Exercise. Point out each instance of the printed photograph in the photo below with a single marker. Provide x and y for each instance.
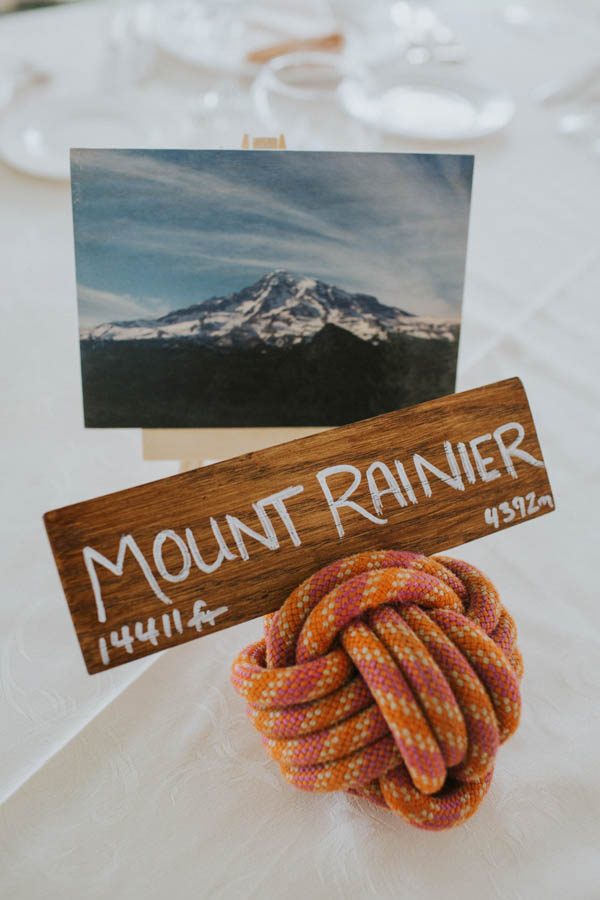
(222, 288)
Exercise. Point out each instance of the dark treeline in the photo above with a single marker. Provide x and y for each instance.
(333, 379)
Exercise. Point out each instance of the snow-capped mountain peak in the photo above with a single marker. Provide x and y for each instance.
(279, 309)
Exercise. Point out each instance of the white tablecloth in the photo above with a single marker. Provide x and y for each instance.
(148, 781)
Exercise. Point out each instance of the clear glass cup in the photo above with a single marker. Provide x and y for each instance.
(299, 94)
(380, 30)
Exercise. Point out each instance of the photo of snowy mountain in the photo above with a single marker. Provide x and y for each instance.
(279, 310)
(341, 281)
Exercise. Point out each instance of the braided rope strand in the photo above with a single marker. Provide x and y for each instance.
(391, 675)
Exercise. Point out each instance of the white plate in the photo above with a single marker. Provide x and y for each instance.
(425, 105)
(218, 35)
(36, 135)
(201, 34)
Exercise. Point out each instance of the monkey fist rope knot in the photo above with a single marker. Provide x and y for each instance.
(391, 675)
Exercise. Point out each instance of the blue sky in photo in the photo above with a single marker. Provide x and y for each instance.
(157, 230)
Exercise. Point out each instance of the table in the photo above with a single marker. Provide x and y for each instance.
(148, 781)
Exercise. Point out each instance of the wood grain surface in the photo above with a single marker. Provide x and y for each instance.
(185, 556)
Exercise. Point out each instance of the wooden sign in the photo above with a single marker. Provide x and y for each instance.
(157, 565)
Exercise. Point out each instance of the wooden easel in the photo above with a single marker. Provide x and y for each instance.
(195, 447)
(264, 143)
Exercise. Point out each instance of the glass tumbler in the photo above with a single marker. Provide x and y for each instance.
(299, 94)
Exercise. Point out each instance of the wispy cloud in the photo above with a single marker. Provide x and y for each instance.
(185, 225)
(107, 306)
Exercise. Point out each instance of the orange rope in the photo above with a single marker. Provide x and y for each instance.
(391, 675)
